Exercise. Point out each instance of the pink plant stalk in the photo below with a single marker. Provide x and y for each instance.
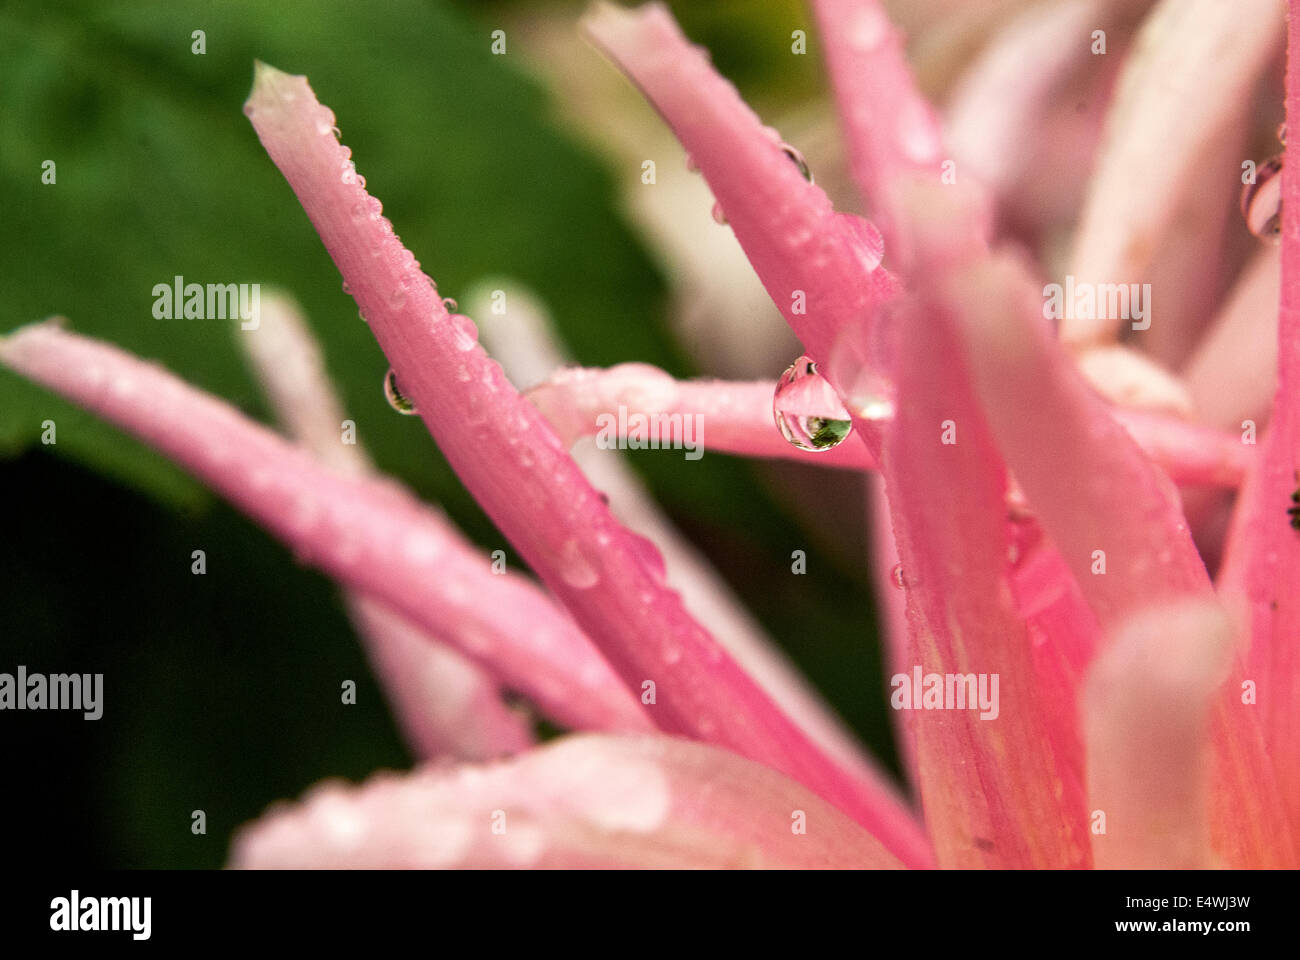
(1038, 529)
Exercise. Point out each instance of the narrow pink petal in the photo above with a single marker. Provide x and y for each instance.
(526, 343)
(993, 785)
(367, 534)
(890, 129)
(726, 416)
(519, 471)
(1163, 117)
(1147, 719)
(1262, 567)
(1115, 520)
(582, 802)
(444, 703)
(1189, 453)
(996, 111)
(1097, 496)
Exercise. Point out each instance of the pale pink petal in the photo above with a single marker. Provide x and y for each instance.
(582, 802)
(444, 704)
(1164, 116)
(1233, 373)
(1147, 718)
(368, 534)
(995, 789)
(512, 462)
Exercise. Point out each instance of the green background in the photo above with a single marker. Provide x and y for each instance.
(222, 691)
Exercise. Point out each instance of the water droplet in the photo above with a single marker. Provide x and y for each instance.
(338, 134)
(863, 238)
(1261, 201)
(807, 411)
(718, 215)
(362, 315)
(650, 556)
(691, 165)
(465, 332)
(450, 305)
(896, 576)
(859, 362)
(797, 159)
(397, 299)
(1281, 133)
(361, 181)
(575, 568)
(349, 174)
(346, 287)
(402, 404)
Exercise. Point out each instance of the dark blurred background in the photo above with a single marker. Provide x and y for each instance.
(222, 691)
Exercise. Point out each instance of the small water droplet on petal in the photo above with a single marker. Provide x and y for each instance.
(798, 160)
(450, 305)
(396, 399)
(575, 568)
(896, 576)
(718, 216)
(807, 410)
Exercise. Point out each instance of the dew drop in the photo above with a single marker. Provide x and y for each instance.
(466, 334)
(450, 305)
(349, 174)
(691, 165)
(576, 569)
(397, 299)
(346, 287)
(807, 411)
(399, 402)
(1261, 201)
(718, 215)
(896, 576)
(798, 160)
(1281, 133)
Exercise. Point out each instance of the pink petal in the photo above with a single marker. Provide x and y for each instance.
(995, 789)
(581, 802)
(367, 534)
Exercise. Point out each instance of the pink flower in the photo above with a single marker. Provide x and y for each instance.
(1073, 688)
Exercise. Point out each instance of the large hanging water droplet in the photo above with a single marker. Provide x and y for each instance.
(797, 159)
(807, 411)
(718, 216)
(1261, 201)
(396, 399)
